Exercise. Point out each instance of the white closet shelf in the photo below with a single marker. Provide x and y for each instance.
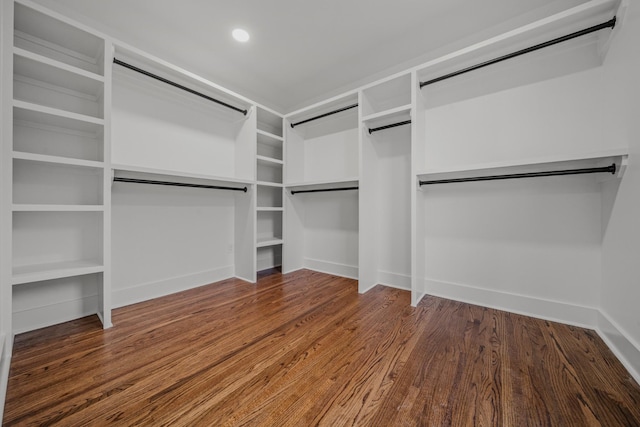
(44, 69)
(58, 270)
(401, 112)
(560, 162)
(323, 184)
(269, 160)
(172, 174)
(569, 56)
(68, 161)
(573, 19)
(388, 117)
(270, 209)
(56, 33)
(55, 116)
(56, 208)
(268, 135)
(269, 184)
(175, 74)
(323, 107)
(268, 241)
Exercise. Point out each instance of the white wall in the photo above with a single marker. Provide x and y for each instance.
(393, 148)
(157, 126)
(554, 117)
(332, 156)
(331, 232)
(620, 292)
(167, 239)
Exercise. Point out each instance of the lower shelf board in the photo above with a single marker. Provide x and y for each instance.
(39, 272)
(263, 243)
(56, 208)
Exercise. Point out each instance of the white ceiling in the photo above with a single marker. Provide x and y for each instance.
(302, 51)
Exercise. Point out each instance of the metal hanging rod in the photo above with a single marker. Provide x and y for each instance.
(321, 190)
(609, 24)
(406, 122)
(177, 184)
(179, 86)
(610, 169)
(340, 110)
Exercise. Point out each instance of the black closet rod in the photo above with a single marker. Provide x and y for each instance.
(610, 169)
(179, 86)
(321, 190)
(340, 110)
(177, 184)
(609, 24)
(406, 122)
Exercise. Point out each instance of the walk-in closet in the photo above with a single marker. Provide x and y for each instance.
(320, 174)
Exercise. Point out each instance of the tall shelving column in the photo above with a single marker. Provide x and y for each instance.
(59, 200)
(418, 213)
(269, 197)
(322, 158)
(385, 217)
(6, 138)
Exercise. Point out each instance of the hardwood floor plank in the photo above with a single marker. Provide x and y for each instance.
(306, 349)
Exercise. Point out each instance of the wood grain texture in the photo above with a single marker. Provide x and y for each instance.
(306, 349)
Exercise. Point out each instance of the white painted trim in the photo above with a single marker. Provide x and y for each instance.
(342, 270)
(394, 280)
(364, 291)
(264, 264)
(625, 348)
(151, 290)
(416, 297)
(555, 311)
(620, 343)
(53, 314)
(5, 364)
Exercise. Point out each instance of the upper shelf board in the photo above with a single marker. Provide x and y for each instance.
(178, 76)
(589, 160)
(169, 175)
(567, 57)
(43, 69)
(322, 185)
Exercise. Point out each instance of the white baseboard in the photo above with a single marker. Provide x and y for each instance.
(265, 264)
(585, 317)
(394, 280)
(147, 291)
(52, 314)
(342, 270)
(620, 343)
(5, 364)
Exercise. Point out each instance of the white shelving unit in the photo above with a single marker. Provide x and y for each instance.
(385, 232)
(60, 214)
(216, 147)
(321, 227)
(270, 170)
(446, 99)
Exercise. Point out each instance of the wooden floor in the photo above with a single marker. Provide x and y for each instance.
(305, 349)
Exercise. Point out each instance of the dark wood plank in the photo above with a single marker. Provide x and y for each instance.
(306, 349)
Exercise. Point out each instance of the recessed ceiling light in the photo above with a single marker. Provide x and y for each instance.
(240, 35)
